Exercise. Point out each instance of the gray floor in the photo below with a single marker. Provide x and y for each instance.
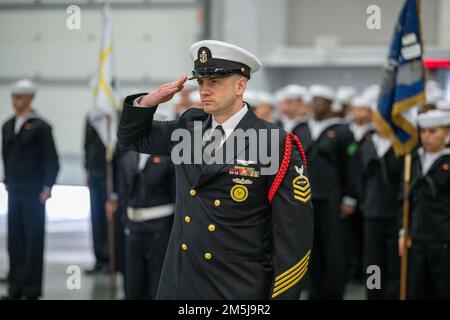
(68, 244)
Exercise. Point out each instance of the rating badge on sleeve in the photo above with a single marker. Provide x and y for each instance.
(302, 189)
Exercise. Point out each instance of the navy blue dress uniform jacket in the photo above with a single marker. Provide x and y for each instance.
(334, 164)
(221, 248)
(430, 200)
(380, 180)
(30, 157)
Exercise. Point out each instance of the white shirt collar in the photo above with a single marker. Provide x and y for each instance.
(290, 124)
(428, 159)
(20, 120)
(359, 130)
(382, 145)
(317, 127)
(230, 124)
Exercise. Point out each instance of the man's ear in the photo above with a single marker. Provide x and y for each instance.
(241, 85)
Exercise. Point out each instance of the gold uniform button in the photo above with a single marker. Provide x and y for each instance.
(217, 202)
(192, 192)
(187, 219)
(208, 256)
(184, 246)
(211, 227)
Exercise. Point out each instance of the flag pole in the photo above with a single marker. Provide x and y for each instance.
(405, 218)
(110, 217)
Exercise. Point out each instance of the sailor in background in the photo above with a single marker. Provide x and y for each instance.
(95, 164)
(150, 192)
(332, 158)
(342, 107)
(264, 107)
(381, 175)
(31, 165)
(429, 253)
(293, 104)
(361, 126)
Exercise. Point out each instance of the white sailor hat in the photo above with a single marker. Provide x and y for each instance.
(251, 97)
(362, 101)
(443, 105)
(293, 91)
(322, 91)
(24, 86)
(220, 59)
(264, 97)
(345, 94)
(433, 118)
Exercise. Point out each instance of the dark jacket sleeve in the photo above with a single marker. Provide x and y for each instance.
(138, 131)
(50, 157)
(349, 159)
(293, 221)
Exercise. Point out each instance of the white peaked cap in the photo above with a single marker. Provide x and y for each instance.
(226, 51)
(24, 86)
(433, 118)
(322, 91)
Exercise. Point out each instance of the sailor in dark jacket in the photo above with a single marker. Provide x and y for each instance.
(293, 101)
(429, 254)
(332, 161)
(242, 229)
(31, 166)
(95, 164)
(381, 174)
(150, 188)
(361, 126)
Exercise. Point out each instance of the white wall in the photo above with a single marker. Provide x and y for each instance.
(151, 47)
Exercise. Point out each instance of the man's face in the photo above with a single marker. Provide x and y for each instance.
(21, 101)
(433, 139)
(294, 108)
(361, 115)
(321, 106)
(219, 94)
(264, 111)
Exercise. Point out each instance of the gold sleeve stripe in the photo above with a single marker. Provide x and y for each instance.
(292, 274)
(297, 279)
(294, 267)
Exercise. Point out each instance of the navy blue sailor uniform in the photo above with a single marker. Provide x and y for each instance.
(150, 197)
(429, 255)
(381, 173)
(361, 133)
(228, 241)
(31, 165)
(332, 158)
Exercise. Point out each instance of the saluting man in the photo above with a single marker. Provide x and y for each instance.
(238, 233)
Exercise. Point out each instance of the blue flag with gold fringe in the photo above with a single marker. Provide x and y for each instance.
(403, 84)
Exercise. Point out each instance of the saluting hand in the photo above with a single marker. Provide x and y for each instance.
(163, 94)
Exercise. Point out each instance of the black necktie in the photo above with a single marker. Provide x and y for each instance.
(217, 134)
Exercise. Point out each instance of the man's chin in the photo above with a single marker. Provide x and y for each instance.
(208, 108)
